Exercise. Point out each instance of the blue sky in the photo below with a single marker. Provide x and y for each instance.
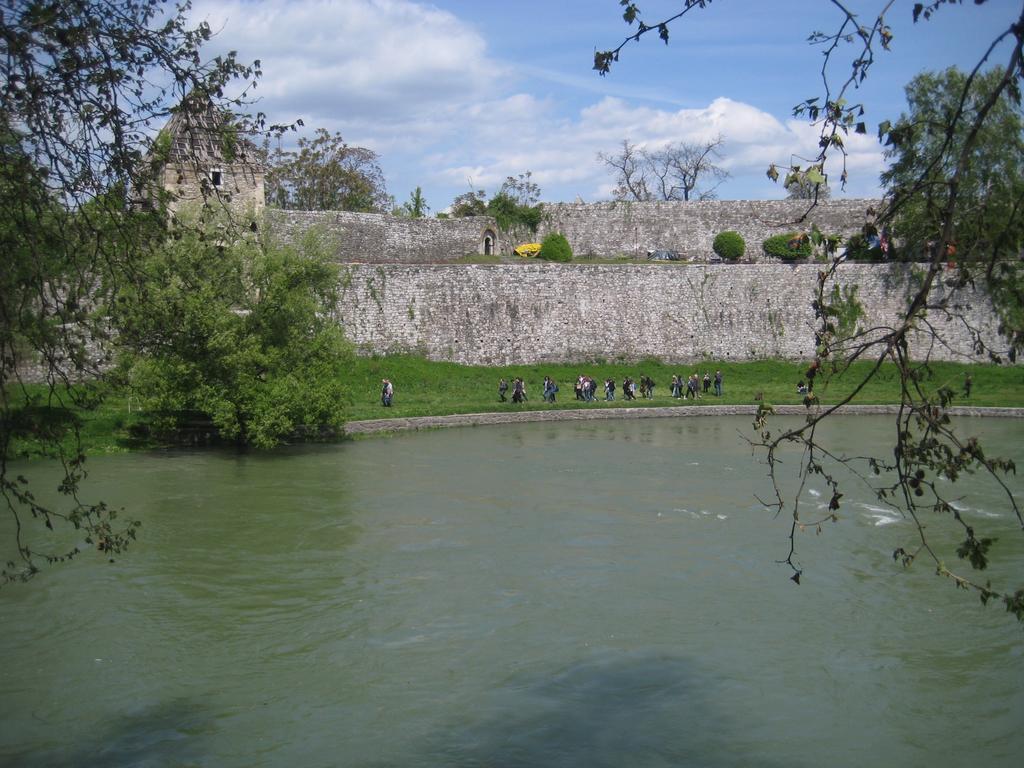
(459, 93)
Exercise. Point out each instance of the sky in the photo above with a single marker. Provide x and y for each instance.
(456, 95)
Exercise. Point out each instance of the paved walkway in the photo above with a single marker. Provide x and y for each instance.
(596, 414)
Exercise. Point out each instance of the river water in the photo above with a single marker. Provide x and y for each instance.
(567, 594)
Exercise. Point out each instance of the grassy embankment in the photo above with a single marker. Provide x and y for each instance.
(425, 388)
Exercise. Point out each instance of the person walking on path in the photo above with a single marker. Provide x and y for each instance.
(718, 383)
(387, 392)
(609, 389)
(502, 389)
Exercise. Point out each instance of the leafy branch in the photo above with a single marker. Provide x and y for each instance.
(925, 445)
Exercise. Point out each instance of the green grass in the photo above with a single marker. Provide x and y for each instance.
(104, 429)
(426, 388)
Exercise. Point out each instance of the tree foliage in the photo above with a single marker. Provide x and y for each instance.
(514, 206)
(677, 171)
(945, 188)
(555, 248)
(83, 87)
(803, 186)
(326, 174)
(791, 246)
(416, 206)
(233, 338)
(729, 245)
(990, 189)
(472, 203)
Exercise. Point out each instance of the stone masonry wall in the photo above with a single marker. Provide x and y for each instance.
(537, 312)
(593, 229)
(381, 239)
(612, 229)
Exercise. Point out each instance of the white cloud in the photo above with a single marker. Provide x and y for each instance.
(562, 152)
(417, 85)
(352, 61)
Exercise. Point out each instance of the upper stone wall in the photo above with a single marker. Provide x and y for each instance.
(625, 228)
(381, 239)
(593, 229)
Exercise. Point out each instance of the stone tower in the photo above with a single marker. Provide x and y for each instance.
(201, 157)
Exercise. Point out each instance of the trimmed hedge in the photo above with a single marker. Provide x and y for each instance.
(555, 248)
(729, 245)
(793, 246)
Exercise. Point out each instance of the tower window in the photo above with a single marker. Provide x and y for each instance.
(216, 177)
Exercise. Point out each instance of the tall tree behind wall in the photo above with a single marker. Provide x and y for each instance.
(987, 221)
(677, 171)
(326, 174)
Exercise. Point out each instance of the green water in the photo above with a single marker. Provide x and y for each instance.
(525, 595)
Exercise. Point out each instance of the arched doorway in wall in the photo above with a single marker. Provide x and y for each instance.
(490, 239)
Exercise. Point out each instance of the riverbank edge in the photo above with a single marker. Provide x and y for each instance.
(414, 423)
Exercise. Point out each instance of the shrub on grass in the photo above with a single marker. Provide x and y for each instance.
(792, 246)
(729, 245)
(555, 248)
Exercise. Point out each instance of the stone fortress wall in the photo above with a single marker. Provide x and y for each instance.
(593, 229)
(383, 239)
(500, 314)
(633, 229)
(401, 293)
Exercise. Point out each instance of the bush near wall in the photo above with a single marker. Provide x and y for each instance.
(555, 248)
(858, 249)
(729, 245)
(792, 246)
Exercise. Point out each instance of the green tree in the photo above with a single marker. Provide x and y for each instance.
(416, 206)
(989, 190)
(237, 335)
(945, 156)
(326, 174)
(515, 205)
(83, 86)
(472, 203)
(521, 189)
(791, 246)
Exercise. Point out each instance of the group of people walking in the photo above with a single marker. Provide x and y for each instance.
(585, 388)
(693, 385)
(519, 390)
